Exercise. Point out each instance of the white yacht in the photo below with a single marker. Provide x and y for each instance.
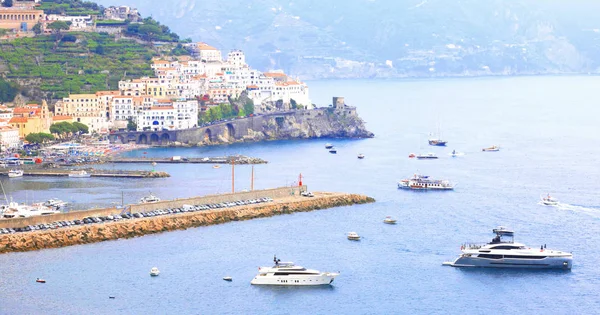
(286, 273)
(79, 174)
(55, 203)
(15, 210)
(428, 156)
(422, 182)
(154, 272)
(503, 252)
(15, 173)
(149, 199)
(353, 236)
(389, 220)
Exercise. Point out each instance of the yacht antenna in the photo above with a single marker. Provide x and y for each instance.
(232, 175)
(3, 192)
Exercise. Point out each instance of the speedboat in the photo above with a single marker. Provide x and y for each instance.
(412, 155)
(38, 280)
(333, 150)
(503, 252)
(549, 201)
(427, 156)
(493, 148)
(437, 142)
(227, 278)
(154, 272)
(328, 146)
(79, 174)
(361, 156)
(15, 173)
(216, 166)
(286, 273)
(422, 182)
(149, 199)
(389, 220)
(353, 236)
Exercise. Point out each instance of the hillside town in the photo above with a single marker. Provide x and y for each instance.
(181, 89)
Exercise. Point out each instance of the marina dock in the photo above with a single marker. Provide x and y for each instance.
(237, 159)
(285, 200)
(92, 173)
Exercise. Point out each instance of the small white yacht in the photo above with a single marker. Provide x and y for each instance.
(548, 200)
(493, 148)
(353, 236)
(154, 272)
(503, 252)
(389, 220)
(15, 210)
(55, 203)
(149, 199)
(361, 156)
(328, 146)
(79, 174)
(15, 173)
(428, 156)
(286, 273)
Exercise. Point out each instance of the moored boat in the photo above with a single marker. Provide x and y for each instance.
(389, 220)
(503, 252)
(353, 236)
(422, 182)
(79, 174)
(149, 199)
(15, 173)
(333, 150)
(437, 142)
(328, 146)
(286, 273)
(428, 156)
(361, 156)
(493, 148)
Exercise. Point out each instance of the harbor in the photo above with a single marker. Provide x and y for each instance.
(150, 218)
(89, 172)
(236, 159)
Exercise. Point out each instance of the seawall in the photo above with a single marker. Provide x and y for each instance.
(94, 233)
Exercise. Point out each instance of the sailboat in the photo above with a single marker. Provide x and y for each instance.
(437, 141)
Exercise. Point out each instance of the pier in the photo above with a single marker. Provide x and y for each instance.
(92, 172)
(285, 200)
(237, 159)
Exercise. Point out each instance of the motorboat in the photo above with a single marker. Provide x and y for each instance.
(548, 200)
(455, 153)
(79, 174)
(493, 148)
(503, 252)
(412, 155)
(149, 199)
(227, 278)
(423, 182)
(353, 236)
(15, 173)
(333, 150)
(55, 203)
(428, 156)
(38, 280)
(437, 142)
(154, 272)
(389, 220)
(361, 156)
(286, 273)
(216, 166)
(328, 146)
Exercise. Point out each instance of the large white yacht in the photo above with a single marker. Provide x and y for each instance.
(422, 182)
(503, 252)
(286, 273)
(15, 210)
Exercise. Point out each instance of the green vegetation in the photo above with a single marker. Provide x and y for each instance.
(71, 7)
(8, 91)
(39, 137)
(131, 126)
(151, 30)
(65, 129)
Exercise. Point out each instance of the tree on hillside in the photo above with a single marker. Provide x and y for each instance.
(249, 107)
(66, 129)
(81, 128)
(8, 91)
(57, 27)
(37, 28)
(39, 137)
(7, 3)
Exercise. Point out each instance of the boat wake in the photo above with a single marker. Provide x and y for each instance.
(580, 209)
(456, 154)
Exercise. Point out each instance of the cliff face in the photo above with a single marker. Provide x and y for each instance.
(319, 123)
(138, 227)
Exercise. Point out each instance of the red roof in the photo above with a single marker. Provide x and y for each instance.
(15, 120)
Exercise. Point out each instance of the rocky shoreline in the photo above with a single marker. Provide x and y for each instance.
(78, 235)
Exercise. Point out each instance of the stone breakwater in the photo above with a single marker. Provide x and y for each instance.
(132, 228)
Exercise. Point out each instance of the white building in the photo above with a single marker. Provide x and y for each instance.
(168, 115)
(88, 109)
(77, 22)
(9, 137)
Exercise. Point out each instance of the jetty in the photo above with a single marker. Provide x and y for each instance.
(169, 215)
(237, 159)
(92, 172)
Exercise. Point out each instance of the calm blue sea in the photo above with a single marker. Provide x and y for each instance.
(548, 131)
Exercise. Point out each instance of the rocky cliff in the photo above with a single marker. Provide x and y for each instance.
(138, 227)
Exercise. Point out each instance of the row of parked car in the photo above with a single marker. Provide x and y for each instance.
(126, 216)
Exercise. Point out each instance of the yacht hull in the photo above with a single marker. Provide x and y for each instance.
(301, 280)
(560, 262)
